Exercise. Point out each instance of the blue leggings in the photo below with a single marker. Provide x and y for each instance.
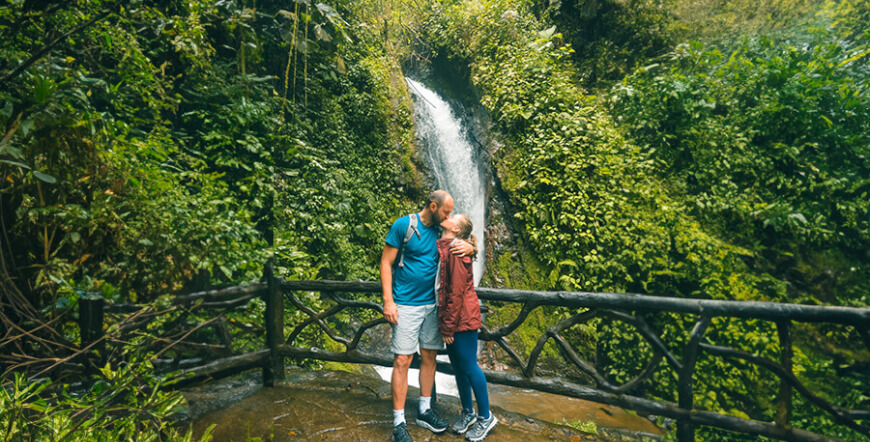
(463, 358)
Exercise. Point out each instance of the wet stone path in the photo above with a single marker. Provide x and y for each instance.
(329, 405)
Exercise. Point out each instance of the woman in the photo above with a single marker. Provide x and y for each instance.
(459, 320)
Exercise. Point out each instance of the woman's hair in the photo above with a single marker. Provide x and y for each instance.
(465, 228)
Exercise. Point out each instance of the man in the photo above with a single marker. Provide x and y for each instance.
(409, 305)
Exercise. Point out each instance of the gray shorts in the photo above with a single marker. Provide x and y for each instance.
(418, 325)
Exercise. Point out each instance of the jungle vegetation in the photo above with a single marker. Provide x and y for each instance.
(713, 149)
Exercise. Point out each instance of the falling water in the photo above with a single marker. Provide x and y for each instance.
(453, 160)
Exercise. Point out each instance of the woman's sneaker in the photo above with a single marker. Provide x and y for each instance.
(465, 421)
(481, 428)
(431, 420)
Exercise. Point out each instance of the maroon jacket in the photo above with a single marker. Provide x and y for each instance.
(458, 307)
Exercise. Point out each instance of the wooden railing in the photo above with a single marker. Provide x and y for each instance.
(337, 297)
(620, 307)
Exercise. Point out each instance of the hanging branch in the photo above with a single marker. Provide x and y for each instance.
(41, 15)
(47, 48)
(305, 58)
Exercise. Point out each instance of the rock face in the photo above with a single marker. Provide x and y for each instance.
(318, 405)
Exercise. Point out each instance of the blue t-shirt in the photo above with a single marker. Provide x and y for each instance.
(414, 284)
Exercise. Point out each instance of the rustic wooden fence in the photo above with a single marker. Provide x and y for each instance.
(340, 342)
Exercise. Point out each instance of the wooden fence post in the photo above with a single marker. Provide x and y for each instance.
(784, 399)
(90, 318)
(685, 428)
(91, 327)
(273, 370)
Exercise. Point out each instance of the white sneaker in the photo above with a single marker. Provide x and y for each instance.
(481, 428)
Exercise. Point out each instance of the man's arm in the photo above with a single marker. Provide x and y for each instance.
(388, 256)
(463, 248)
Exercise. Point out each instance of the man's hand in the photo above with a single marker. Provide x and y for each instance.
(391, 313)
(447, 339)
(462, 248)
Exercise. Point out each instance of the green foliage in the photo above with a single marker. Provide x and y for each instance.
(126, 403)
(726, 177)
(580, 425)
(342, 183)
(143, 152)
(166, 141)
(768, 148)
(611, 37)
(724, 22)
(126, 201)
(522, 271)
(850, 18)
(160, 147)
(591, 206)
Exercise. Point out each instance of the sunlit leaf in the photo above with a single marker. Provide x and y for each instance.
(287, 14)
(44, 177)
(321, 33)
(15, 163)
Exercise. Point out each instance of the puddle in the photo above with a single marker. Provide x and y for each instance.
(554, 408)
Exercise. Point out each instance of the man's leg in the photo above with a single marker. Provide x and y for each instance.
(427, 371)
(430, 343)
(399, 380)
(403, 346)
(399, 388)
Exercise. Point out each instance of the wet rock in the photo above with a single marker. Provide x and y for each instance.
(328, 405)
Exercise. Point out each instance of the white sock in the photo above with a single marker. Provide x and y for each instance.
(424, 404)
(398, 417)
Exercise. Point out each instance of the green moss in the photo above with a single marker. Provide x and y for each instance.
(517, 270)
(342, 366)
(585, 426)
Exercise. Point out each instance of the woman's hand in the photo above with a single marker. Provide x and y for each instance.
(447, 339)
(462, 248)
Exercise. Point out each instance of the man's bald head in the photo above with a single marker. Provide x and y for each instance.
(439, 205)
(439, 197)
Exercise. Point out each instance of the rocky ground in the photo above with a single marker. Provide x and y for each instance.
(332, 405)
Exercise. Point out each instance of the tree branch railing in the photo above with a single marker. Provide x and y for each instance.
(620, 307)
(195, 313)
(337, 300)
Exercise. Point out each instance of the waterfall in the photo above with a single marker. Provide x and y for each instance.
(453, 159)
(455, 163)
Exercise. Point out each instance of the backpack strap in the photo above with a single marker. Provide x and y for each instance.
(412, 229)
